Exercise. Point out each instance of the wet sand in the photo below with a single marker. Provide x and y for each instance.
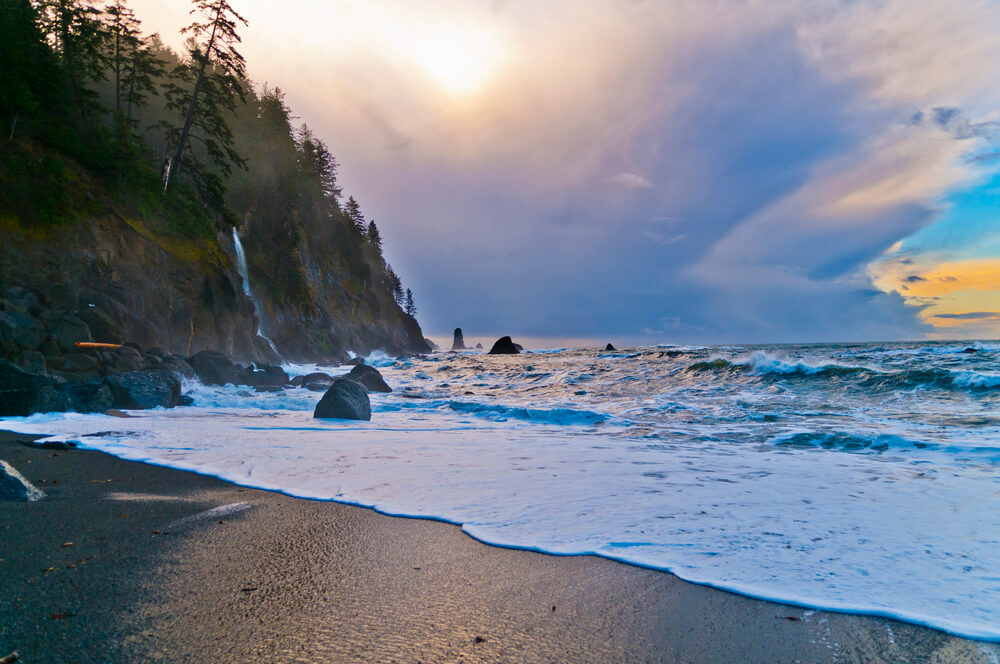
(121, 563)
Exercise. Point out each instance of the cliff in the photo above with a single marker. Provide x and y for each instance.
(113, 273)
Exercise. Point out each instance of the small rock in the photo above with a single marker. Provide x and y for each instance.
(479, 346)
(13, 486)
(610, 347)
(504, 346)
(344, 400)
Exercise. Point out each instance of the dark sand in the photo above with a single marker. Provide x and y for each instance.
(292, 580)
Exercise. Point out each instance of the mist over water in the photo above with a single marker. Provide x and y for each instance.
(854, 477)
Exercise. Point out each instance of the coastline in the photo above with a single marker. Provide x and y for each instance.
(121, 563)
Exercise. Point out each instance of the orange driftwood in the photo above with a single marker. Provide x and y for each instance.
(95, 344)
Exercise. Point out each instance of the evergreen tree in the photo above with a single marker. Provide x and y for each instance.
(29, 78)
(353, 211)
(374, 237)
(410, 308)
(134, 63)
(316, 162)
(215, 71)
(80, 39)
(141, 69)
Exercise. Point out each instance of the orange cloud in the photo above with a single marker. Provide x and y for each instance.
(957, 296)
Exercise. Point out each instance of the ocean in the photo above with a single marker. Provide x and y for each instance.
(849, 477)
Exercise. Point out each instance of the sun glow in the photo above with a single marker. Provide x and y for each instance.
(459, 58)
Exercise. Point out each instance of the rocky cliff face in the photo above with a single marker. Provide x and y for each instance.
(321, 293)
(112, 279)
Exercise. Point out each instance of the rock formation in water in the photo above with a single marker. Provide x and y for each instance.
(610, 347)
(459, 341)
(504, 346)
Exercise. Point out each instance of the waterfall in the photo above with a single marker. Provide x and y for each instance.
(241, 264)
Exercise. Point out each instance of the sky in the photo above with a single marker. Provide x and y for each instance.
(693, 171)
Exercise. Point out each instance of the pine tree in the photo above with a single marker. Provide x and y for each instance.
(353, 211)
(410, 308)
(29, 75)
(374, 237)
(80, 39)
(316, 163)
(135, 65)
(215, 72)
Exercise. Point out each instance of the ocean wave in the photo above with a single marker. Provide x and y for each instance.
(974, 379)
(760, 363)
(499, 412)
(766, 365)
(846, 442)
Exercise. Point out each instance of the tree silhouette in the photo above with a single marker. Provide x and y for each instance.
(215, 72)
(410, 308)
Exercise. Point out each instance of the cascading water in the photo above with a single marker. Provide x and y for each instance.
(241, 263)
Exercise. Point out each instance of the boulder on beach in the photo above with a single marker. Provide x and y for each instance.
(310, 378)
(459, 341)
(145, 389)
(610, 347)
(13, 486)
(345, 400)
(504, 346)
(369, 377)
(213, 368)
(261, 375)
(87, 396)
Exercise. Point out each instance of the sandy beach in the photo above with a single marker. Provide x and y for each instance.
(128, 562)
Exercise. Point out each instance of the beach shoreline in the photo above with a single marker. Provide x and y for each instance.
(131, 562)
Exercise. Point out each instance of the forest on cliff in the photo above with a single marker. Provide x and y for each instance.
(100, 118)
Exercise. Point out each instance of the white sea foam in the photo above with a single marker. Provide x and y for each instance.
(801, 491)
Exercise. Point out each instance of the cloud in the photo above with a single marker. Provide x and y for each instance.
(796, 140)
(972, 315)
(630, 181)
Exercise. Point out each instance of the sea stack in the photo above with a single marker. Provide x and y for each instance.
(459, 342)
(504, 346)
(610, 347)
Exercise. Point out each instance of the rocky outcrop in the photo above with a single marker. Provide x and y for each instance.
(13, 486)
(23, 393)
(369, 377)
(345, 400)
(459, 341)
(504, 346)
(610, 347)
